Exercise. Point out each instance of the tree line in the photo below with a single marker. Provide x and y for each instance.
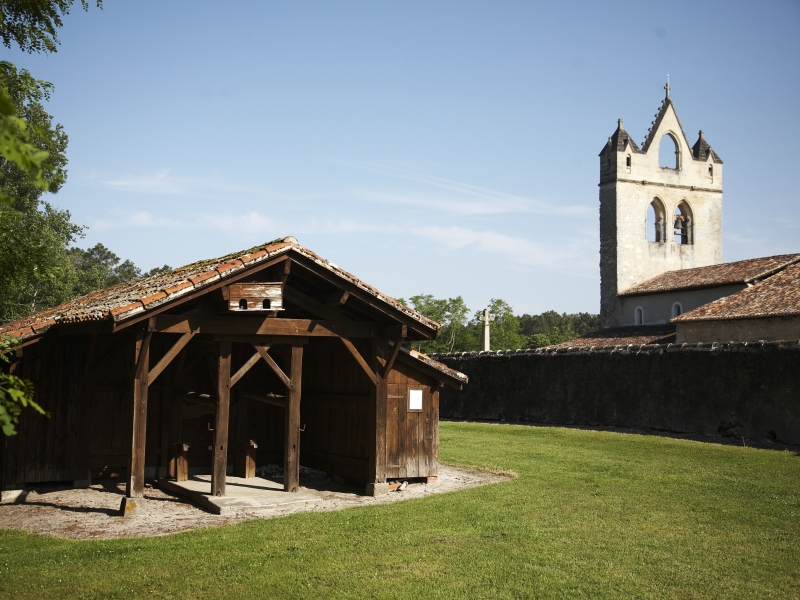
(461, 328)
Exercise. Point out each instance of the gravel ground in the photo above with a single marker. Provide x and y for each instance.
(92, 513)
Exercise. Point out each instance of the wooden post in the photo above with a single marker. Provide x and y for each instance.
(291, 437)
(134, 487)
(181, 461)
(220, 454)
(376, 475)
(246, 466)
(176, 421)
(245, 447)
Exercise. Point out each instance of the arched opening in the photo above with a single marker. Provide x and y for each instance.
(668, 153)
(656, 227)
(684, 224)
(242, 304)
(677, 310)
(265, 304)
(639, 318)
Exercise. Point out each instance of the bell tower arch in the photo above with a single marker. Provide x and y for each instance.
(683, 196)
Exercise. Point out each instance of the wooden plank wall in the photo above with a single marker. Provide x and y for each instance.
(412, 438)
(44, 449)
(334, 412)
(334, 409)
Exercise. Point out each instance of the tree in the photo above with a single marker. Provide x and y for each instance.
(98, 268)
(28, 167)
(550, 327)
(33, 24)
(34, 235)
(451, 314)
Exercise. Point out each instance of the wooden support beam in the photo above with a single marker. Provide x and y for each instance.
(287, 269)
(170, 355)
(392, 357)
(181, 457)
(337, 298)
(378, 406)
(265, 340)
(291, 437)
(236, 324)
(220, 452)
(245, 368)
(360, 360)
(176, 415)
(246, 464)
(262, 350)
(134, 486)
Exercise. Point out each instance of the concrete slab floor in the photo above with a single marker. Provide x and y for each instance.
(249, 495)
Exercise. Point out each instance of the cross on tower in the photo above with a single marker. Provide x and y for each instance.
(666, 87)
(486, 318)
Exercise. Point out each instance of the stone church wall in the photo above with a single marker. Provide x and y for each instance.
(738, 390)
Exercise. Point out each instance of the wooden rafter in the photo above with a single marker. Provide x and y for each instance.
(425, 331)
(313, 306)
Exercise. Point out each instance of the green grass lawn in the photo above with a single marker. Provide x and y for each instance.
(591, 514)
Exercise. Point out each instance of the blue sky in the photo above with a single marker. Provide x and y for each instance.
(427, 147)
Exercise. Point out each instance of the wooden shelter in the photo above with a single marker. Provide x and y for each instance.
(264, 356)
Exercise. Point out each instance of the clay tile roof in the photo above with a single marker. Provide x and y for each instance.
(776, 296)
(742, 272)
(636, 335)
(131, 298)
(434, 364)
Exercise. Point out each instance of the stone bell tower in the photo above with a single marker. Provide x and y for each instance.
(684, 200)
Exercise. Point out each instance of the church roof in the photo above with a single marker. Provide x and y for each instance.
(701, 150)
(776, 296)
(628, 335)
(619, 141)
(741, 272)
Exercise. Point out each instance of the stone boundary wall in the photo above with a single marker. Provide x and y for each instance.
(749, 390)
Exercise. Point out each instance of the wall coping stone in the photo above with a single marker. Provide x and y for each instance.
(756, 345)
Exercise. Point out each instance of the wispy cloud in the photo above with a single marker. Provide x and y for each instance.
(249, 224)
(163, 182)
(576, 255)
(140, 219)
(458, 197)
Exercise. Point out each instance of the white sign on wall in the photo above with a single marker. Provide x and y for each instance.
(414, 399)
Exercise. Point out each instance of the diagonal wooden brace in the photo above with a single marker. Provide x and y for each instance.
(262, 350)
